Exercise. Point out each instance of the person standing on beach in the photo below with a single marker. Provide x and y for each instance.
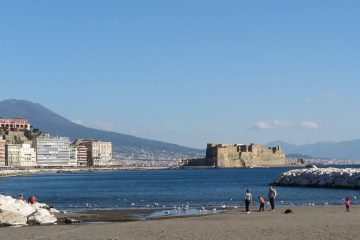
(347, 204)
(248, 199)
(262, 204)
(272, 196)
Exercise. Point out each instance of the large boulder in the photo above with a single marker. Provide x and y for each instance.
(8, 218)
(42, 217)
(15, 212)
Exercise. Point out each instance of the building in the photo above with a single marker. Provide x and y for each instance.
(13, 154)
(14, 124)
(73, 155)
(101, 153)
(82, 157)
(2, 153)
(98, 153)
(240, 155)
(53, 151)
(20, 155)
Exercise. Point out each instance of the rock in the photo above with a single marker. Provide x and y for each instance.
(15, 212)
(320, 177)
(8, 218)
(41, 217)
(72, 221)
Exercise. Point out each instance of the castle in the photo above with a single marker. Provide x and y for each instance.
(239, 155)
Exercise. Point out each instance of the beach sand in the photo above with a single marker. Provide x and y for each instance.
(312, 222)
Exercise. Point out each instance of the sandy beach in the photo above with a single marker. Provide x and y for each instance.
(319, 222)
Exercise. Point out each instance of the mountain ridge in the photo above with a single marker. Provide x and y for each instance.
(348, 149)
(49, 121)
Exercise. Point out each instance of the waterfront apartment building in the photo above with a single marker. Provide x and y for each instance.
(20, 155)
(99, 153)
(73, 155)
(82, 157)
(14, 124)
(53, 151)
(2, 153)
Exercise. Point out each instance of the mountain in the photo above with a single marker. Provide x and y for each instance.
(338, 150)
(48, 121)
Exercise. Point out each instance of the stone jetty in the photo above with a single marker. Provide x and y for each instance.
(321, 177)
(16, 212)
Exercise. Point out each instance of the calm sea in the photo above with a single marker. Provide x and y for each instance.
(141, 189)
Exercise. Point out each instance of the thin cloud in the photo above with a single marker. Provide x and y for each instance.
(309, 125)
(270, 125)
(308, 99)
(98, 124)
(282, 124)
(331, 94)
(260, 125)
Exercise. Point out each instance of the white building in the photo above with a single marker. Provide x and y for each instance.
(73, 155)
(20, 155)
(53, 151)
(98, 153)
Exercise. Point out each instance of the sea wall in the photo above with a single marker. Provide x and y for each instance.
(321, 177)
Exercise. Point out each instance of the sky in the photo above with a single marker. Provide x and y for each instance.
(189, 72)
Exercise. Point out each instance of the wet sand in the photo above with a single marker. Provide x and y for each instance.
(319, 222)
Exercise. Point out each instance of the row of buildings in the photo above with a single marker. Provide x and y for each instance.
(51, 151)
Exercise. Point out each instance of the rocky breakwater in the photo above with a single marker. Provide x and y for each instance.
(16, 212)
(321, 177)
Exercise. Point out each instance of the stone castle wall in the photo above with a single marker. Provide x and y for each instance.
(235, 155)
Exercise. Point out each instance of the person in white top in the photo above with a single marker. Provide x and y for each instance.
(248, 199)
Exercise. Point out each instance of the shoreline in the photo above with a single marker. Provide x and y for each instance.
(4, 173)
(320, 222)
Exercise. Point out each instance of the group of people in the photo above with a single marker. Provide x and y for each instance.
(31, 200)
(271, 195)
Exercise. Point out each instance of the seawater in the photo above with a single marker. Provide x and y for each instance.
(165, 188)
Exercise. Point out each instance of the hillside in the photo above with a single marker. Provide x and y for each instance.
(48, 121)
(337, 150)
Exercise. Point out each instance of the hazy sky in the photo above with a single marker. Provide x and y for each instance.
(189, 72)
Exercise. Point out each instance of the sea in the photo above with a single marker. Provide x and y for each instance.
(165, 189)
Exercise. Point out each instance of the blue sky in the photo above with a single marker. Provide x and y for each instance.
(189, 72)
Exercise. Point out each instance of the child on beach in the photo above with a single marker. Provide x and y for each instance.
(262, 204)
(347, 204)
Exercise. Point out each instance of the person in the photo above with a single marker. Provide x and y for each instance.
(32, 200)
(20, 196)
(248, 199)
(262, 204)
(347, 204)
(272, 196)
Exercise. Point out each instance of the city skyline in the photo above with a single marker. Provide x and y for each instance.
(236, 73)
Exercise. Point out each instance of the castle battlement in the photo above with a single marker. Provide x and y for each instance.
(241, 155)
